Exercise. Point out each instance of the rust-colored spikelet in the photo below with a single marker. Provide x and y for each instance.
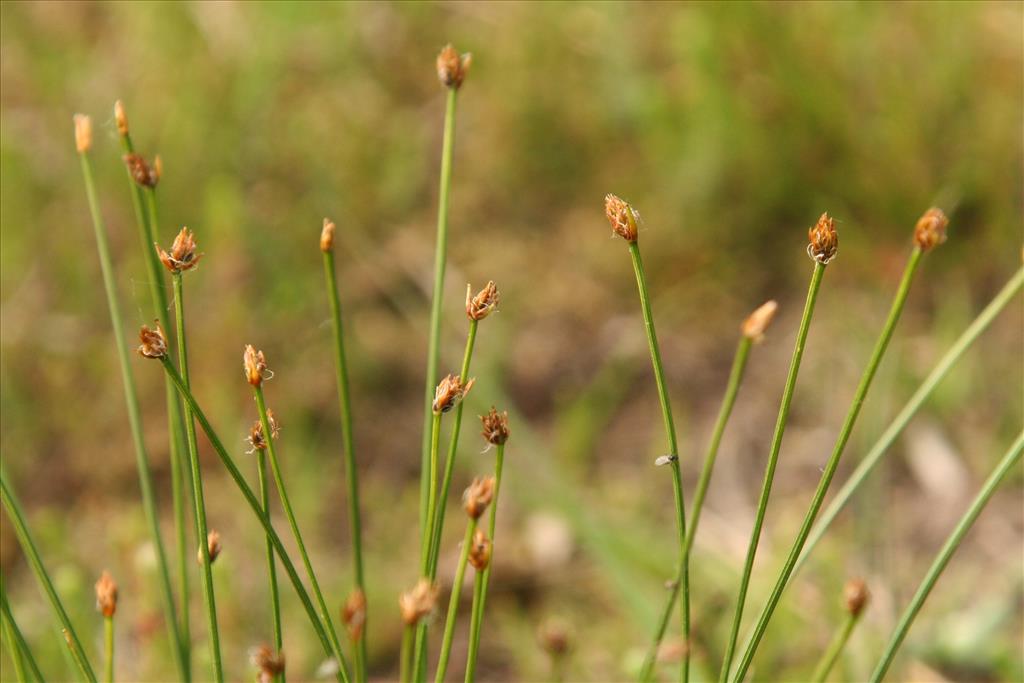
(480, 551)
(452, 67)
(823, 241)
(256, 437)
(856, 596)
(930, 230)
(183, 254)
(106, 594)
(353, 614)
(449, 392)
(758, 321)
(554, 638)
(327, 235)
(478, 496)
(495, 427)
(622, 217)
(417, 603)
(121, 117)
(255, 365)
(480, 306)
(83, 133)
(269, 664)
(154, 343)
(212, 546)
(142, 172)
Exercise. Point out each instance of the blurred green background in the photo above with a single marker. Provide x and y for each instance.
(730, 127)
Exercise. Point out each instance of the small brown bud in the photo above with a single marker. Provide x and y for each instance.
(256, 438)
(554, 638)
(83, 133)
(106, 594)
(141, 171)
(417, 603)
(480, 551)
(268, 663)
(121, 118)
(478, 496)
(452, 67)
(495, 427)
(758, 321)
(154, 343)
(622, 216)
(255, 366)
(449, 392)
(327, 236)
(212, 546)
(480, 306)
(823, 241)
(930, 230)
(856, 596)
(183, 254)
(353, 614)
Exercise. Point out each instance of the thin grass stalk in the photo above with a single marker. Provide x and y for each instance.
(453, 602)
(476, 620)
(257, 508)
(197, 483)
(420, 648)
(772, 463)
(405, 657)
(275, 598)
(28, 546)
(286, 504)
(833, 462)
(149, 505)
(13, 650)
(351, 473)
(108, 648)
(471, 656)
(835, 648)
(1009, 460)
(20, 652)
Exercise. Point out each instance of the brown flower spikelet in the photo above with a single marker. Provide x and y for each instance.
(495, 427)
(353, 614)
(417, 603)
(212, 546)
(452, 67)
(449, 392)
(480, 306)
(823, 240)
(121, 117)
(327, 235)
(622, 216)
(142, 172)
(154, 343)
(856, 596)
(478, 496)
(83, 133)
(256, 438)
(254, 364)
(757, 322)
(268, 664)
(183, 254)
(106, 594)
(930, 230)
(480, 551)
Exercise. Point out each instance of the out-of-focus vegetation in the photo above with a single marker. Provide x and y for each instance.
(731, 127)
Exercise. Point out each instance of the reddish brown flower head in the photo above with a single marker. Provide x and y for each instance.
(212, 546)
(106, 594)
(478, 496)
(154, 343)
(268, 663)
(758, 321)
(449, 392)
(121, 118)
(452, 67)
(856, 596)
(930, 230)
(256, 437)
(480, 306)
(480, 551)
(327, 236)
(142, 172)
(83, 133)
(353, 614)
(255, 366)
(823, 241)
(183, 254)
(622, 217)
(495, 426)
(554, 638)
(417, 603)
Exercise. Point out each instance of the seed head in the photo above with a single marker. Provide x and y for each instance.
(554, 638)
(121, 117)
(212, 546)
(417, 603)
(452, 67)
(183, 254)
(480, 551)
(758, 321)
(106, 594)
(622, 216)
(353, 614)
(327, 236)
(930, 230)
(142, 173)
(486, 300)
(255, 366)
(449, 392)
(478, 496)
(823, 242)
(269, 664)
(495, 427)
(256, 438)
(856, 596)
(154, 343)
(83, 133)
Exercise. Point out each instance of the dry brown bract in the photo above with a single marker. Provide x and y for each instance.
(449, 392)
(183, 254)
(327, 235)
(83, 133)
(480, 306)
(452, 67)
(495, 427)
(478, 496)
(256, 438)
(270, 665)
(106, 594)
(856, 596)
(480, 551)
(758, 321)
(823, 241)
(418, 602)
(353, 614)
(142, 172)
(622, 216)
(212, 546)
(255, 365)
(154, 343)
(930, 230)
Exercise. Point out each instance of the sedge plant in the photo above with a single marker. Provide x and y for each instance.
(480, 558)
(106, 603)
(22, 657)
(415, 605)
(855, 598)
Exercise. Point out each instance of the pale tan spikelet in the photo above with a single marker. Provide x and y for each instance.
(757, 322)
(327, 235)
(930, 230)
(823, 240)
(83, 133)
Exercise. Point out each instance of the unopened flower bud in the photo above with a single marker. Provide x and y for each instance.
(495, 427)
(478, 496)
(856, 596)
(327, 235)
(449, 392)
(452, 67)
(758, 321)
(930, 230)
(269, 664)
(417, 603)
(622, 217)
(255, 365)
(480, 551)
(480, 306)
(823, 241)
(121, 118)
(183, 254)
(353, 615)
(212, 546)
(154, 343)
(106, 594)
(83, 133)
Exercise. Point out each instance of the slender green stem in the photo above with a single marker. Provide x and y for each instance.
(28, 546)
(478, 590)
(20, 652)
(108, 647)
(405, 658)
(673, 454)
(257, 509)
(351, 473)
(275, 598)
(453, 602)
(476, 622)
(773, 461)
(835, 648)
(833, 462)
(197, 484)
(286, 504)
(1012, 457)
(420, 650)
(13, 650)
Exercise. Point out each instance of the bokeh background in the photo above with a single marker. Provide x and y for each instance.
(730, 127)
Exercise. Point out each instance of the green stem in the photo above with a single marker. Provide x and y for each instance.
(275, 468)
(835, 648)
(405, 658)
(1009, 460)
(670, 433)
(773, 461)
(476, 621)
(477, 612)
(420, 651)
(20, 652)
(108, 647)
(28, 546)
(197, 483)
(256, 507)
(351, 473)
(833, 462)
(13, 650)
(275, 598)
(131, 400)
(453, 602)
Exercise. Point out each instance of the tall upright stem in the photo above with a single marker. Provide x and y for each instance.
(478, 587)
(108, 648)
(477, 619)
(275, 598)
(420, 646)
(20, 652)
(453, 602)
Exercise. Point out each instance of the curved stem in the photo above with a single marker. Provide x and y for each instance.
(453, 603)
(108, 647)
(835, 648)
(476, 622)
(275, 598)
(478, 588)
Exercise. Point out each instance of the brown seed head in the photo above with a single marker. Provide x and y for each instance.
(106, 594)
(495, 426)
(758, 321)
(622, 216)
(141, 171)
(353, 614)
(856, 596)
(480, 551)
(183, 254)
(256, 438)
(212, 546)
(154, 343)
(268, 664)
(449, 392)
(478, 496)
(452, 67)
(930, 230)
(121, 117)
(480, 306)
(554, 638)
(255, 365)
(418, 602)
(823, 241)
(83, 133)
(327, 236)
